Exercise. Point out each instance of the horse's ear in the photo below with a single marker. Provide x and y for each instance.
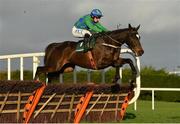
(137, 27)
(130, 26)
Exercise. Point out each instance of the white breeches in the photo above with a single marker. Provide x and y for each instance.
(80, 32)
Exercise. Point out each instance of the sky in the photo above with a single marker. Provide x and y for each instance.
(30, 25)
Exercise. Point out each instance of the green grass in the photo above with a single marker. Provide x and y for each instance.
(164, 112)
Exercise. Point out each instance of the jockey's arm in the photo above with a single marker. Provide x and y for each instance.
(101, 27)
(91, 26)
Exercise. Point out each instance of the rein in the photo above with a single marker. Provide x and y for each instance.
(113, 39)
(113, 46)
(110, 45)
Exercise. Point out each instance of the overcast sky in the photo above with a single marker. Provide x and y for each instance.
(30, 25)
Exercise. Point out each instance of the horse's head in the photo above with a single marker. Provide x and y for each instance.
(133, 40)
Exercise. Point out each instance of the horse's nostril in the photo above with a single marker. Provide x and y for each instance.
(141, 52)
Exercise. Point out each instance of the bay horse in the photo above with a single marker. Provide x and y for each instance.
(62, 57)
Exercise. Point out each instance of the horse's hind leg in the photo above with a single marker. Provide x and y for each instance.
(39, 71)
(42, 70)
(52, 75)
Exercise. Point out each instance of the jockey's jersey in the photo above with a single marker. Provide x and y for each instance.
(86, 22)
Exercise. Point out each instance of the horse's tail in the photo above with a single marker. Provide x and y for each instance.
(48, 51)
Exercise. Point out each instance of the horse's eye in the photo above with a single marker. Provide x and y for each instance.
(137, 35)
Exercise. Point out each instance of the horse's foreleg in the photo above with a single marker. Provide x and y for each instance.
(121, 62)
(133, 69)
(117, 75)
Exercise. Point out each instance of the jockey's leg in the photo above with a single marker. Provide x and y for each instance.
(86, 35)
(86, 41)
(83, 33)
(80, 32)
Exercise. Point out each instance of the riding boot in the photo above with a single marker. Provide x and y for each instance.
(86, 42)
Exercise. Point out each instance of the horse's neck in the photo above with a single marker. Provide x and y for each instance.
(115, 37)
(119, 34)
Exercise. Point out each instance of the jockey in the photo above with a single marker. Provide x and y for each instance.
(88, 24)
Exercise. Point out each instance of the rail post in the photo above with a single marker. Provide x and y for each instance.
(89, 75)
(75, 76)
(152, 99)
(9, 68)
(120, 74)
(103, 76)
(35, 64)
(61, 78)
(21, 68)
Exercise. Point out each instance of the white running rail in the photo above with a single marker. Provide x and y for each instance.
(21, 58)
(153, 92)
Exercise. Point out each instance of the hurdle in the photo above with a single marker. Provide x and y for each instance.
(30, 102)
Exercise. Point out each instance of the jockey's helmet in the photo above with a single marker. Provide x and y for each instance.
(96, 13)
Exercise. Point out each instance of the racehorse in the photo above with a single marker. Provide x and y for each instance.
(62, 57)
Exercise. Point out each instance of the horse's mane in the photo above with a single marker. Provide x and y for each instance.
(116, 31)
(100, 34)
